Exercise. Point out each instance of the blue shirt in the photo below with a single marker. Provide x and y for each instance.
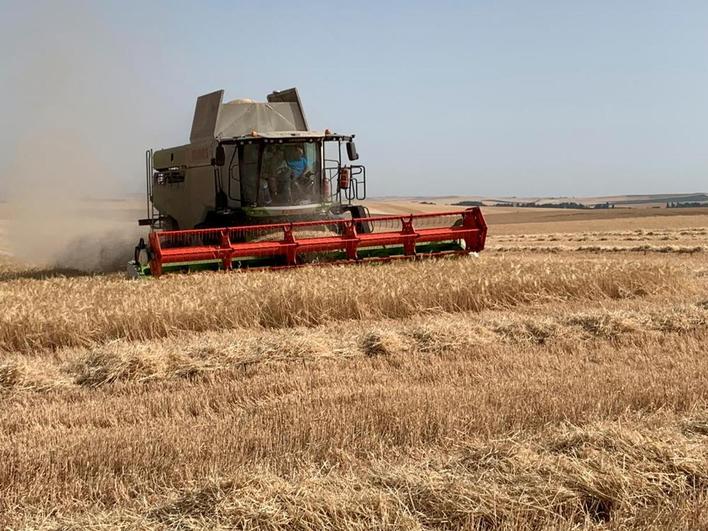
(298, 166)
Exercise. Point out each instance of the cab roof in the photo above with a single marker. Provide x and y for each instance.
(284, 136)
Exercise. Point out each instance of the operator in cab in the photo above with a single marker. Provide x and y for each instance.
(301, 173)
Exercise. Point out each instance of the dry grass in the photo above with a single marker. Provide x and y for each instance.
(397, 429)
(566, 476)
(76, 311)
(191, 355)
(526, 390)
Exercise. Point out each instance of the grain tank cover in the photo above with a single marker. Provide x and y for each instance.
(290, 96)
(240, 118)
(206, 115)
(214, 119)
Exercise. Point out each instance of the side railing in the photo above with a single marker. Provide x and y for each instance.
(356, 188)
(357, 184)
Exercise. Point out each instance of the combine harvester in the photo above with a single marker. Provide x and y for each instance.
(256, 188)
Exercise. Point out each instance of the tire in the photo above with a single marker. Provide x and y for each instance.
(359, 211)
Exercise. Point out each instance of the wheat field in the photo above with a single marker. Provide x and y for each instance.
(560, 380)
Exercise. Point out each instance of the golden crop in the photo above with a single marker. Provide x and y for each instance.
(559, 388)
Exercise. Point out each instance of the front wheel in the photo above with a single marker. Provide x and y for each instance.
(360, 211)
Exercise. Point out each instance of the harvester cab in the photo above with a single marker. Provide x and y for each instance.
(256, 187)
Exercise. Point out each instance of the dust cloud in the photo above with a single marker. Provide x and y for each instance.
(63, 208)
(71, 146)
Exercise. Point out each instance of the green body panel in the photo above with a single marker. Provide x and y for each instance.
(261, 214)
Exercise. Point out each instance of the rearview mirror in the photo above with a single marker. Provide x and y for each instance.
(351, 151)
(219, 156)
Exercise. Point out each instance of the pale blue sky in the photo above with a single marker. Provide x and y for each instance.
(480, 97)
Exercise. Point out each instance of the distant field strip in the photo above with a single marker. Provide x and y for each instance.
(639, 235)
(682, 241)
(644, 248)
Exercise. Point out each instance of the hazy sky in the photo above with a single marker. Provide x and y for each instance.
(479, 97)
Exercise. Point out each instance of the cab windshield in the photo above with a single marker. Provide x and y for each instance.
(290, 174)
